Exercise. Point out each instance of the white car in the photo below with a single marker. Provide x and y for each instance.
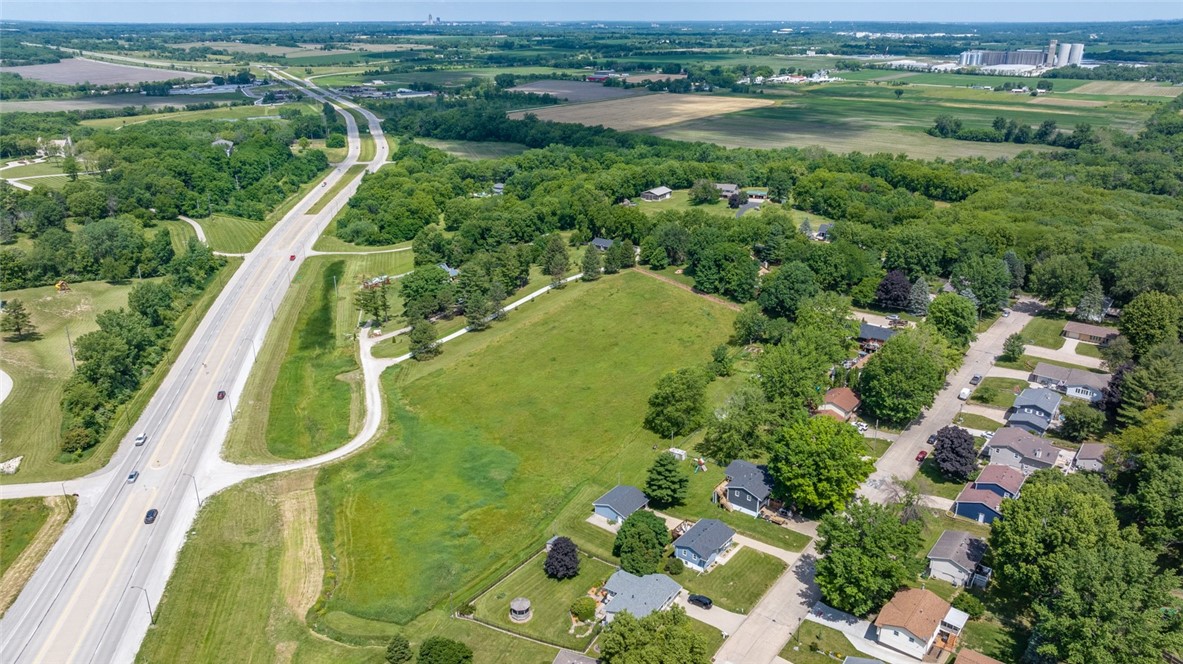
(141, 439)
(965, 392)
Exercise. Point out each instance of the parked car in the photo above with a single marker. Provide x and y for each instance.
(1005, 313)
(701, 601)
(141, 439)
(921, 456)
(932, 439)
(221, 394)
(987, 435)
(150, 517)
(976, 379)
(131, 478)
(965, 392)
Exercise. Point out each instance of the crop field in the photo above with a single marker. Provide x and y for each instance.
(577, 91)
(1128, 88)
(471, 149)
(82, 70)
(532, 432)
(239, 47)
(109, 101)
(647, 111)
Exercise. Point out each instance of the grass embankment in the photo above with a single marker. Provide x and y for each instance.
(328, 241)
(20, 519)
(29, 527)
(304, 396)
(539, 426)
(812, 641)
(474, 150)
(740, 583)
(328, 196)
(233, 235)
(368, 148)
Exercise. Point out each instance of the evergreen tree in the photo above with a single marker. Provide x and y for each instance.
(918, 298)
(612, 259)
(590, 264)
(667, 483)
(423, 340)
(1016, 267)
(398, 650)
(628, 254)
(1092, 303)
(16, 319)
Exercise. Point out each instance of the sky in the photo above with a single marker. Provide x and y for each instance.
(182, 11)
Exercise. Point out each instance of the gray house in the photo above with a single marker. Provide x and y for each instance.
(620, 502)
(1022, 450)
(1035, 409)
(1091, 457)
(726, 190)
(700, 546)
(639, 595)
(874, 333)
(748, 487)
(601, 244)
(955, 557)
(1075, 383)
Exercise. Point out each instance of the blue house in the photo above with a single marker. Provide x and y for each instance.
(620, 502)
(981, 505)
(700, 546)
(748, 487)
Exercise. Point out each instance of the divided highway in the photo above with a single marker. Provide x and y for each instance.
(89, 600)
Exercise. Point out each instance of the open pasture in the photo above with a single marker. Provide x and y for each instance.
(576, 91)
(1127, 88)
(647, 111)
(82, 70)
(110, 101)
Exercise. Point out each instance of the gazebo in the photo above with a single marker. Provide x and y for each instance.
(520, 610)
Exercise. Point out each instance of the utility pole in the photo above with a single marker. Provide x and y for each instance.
(70, 345)
(199, 501)
(336, 295)
(151, 615)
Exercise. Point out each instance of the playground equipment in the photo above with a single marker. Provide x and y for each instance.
(62, 286)
(700, 465)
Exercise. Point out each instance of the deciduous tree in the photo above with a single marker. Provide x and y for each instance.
(818, 463)
(954, 317)
(894, 291)
(954, 453)
(562, 561)
(783, 290)
(398, 650)
(1060, 280)
(678, 403)
(1014, 347)
(640, 542)
(868, 553)
(904, 376)
(703, 192)
(1150, 318)
(440, 650)
(1080, 420)
(662, 637)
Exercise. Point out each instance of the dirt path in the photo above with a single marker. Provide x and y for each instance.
(61, 507)
(301, 568)
(717, 300)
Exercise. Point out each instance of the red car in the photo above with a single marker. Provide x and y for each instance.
(221, 394)
(922, 456)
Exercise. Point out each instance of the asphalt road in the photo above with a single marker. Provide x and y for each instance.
(88, 602)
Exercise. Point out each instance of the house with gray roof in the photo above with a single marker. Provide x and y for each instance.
(823, 231)
(656, 194)
(1022, 450)
(498, 188)
(452, 272)
(700, 546)
(1075, 383)
(601, 243)
(980, 505)
(620, 502)
(874, 333)
(955, 557)
(749, 487)
(726, 190)
(1035, 409)
(1090, 457)
(1002, 480)
(639, 595)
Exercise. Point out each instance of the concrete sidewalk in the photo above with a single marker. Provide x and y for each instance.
(1066, 353)
(860, 633)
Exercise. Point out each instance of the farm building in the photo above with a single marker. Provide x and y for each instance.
(656, 194)
(1092, 334)
(956, 557)
(620, 502)
(748, 487)
(639, 595)
(701, 546)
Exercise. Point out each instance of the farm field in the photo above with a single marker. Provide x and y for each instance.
(577, 91)
(647, 111)
(1130, 88)
(108, 101)
(304, 397)
(240, 47)
(83, 70)
(740, 583)
(474, 149)
(230, 113)
(501, 458)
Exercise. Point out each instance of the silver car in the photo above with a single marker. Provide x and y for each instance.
(141, 439)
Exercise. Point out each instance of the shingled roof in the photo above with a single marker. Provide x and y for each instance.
(916, 610)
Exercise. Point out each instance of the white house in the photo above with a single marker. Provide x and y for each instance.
(955, 557)
(1075, 383)
(916, 621)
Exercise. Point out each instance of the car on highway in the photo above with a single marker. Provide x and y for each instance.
(701, 601)
(150, 517)
(921, 456)
(221, 394)
(965, 392)
(141, 439)
(133, 476)
(976, 379)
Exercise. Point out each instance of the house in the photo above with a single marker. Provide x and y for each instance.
(1088, 333)
(571, 657)
(981, 505)
(839, 403)
(452, 272)
(639, 595)
(656, 194)
(823, 231)
(1090, 457)
(498, 188)
(874, 334)
(748, 487)
(726, 190)
(1075, 383)
(915, 621)
(1002, 480)
(1020, 449)
(967, 656)
(757, 194)
(956, 557)
(601, 244)
(1035, 409)
(620, 502)
(700, 546)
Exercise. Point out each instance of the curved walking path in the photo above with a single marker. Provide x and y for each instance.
(317, 252)
(661, 277)
(5, 385)
(196, 228)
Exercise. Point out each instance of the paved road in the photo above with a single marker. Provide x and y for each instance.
(87, 602)
(900, 459)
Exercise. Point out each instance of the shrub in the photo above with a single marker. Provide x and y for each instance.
(584, 609)
(970, 604)
(438, 650)
(674, 566)
(467, 609)
(335, 141)
(398, 650)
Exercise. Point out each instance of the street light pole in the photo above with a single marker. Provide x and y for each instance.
(195, 492)
(151, 615)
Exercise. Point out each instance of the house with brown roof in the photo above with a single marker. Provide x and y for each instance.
(916, 621)
(957, 558)
(1088, 333)
(839, 403)
(967, 656)
(1002, 480)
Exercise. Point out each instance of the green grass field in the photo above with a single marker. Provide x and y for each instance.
(812, 640)
(230, 113)
(975, 421)
(334, 155)
(233, 235)
(550, 601)
(475, 149)
(933, 482)
(51, 167)
(1044, 331)
(368, 148)
(179, 232)
(1028, 362)
(998, 392)
(350, 174)
(503, 468)
(20, 519)
(740, 583)
(328, 241)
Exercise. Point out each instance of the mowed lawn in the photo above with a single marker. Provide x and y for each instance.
(489, 441)
(1044, 331)
(738, 584)
(550, 600)
(20, 519)
(233, 235)
(475, 149)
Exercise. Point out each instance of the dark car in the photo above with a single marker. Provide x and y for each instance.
(976, 379)
(701, 601)
(932, 439)
(922, 456)
(150, 517)
(221, 394)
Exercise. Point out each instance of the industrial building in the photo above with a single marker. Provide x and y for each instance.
(1055, 55)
